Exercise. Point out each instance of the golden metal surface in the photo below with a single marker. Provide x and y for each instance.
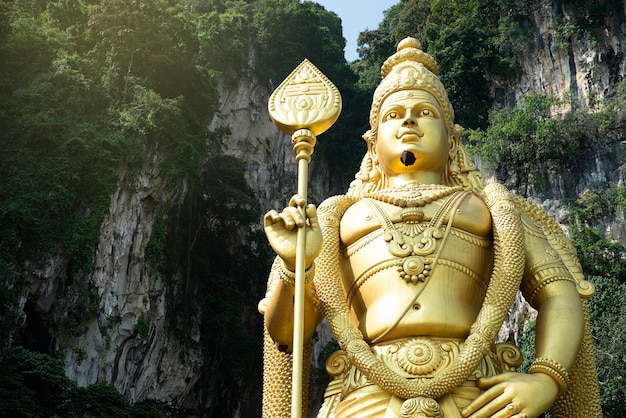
(416, 268)
(306, 99)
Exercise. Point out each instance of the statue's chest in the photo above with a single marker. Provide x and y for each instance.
(408, 242)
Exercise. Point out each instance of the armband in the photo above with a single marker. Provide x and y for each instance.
(543, 276)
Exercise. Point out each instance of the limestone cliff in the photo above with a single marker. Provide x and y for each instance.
(118, 332)
(563, 60)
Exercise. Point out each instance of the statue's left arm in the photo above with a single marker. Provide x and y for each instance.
(550, 288)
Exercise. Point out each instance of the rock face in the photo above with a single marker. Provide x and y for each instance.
(125, 342)
(122, 338)
(562, 62)
(264, 149)
(586, 67)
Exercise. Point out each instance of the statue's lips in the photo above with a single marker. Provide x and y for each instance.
(410, 136)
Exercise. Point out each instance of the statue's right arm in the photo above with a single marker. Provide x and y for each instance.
(281, 230)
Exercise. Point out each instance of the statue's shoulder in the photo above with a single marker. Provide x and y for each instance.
(473, 215)
(336, 206)
(351, 215)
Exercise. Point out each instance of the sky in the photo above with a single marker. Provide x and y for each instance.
(356, 16)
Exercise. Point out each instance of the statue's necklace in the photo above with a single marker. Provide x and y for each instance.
(411, 195)
(408, 240)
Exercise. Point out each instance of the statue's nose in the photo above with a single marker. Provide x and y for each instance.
(409, 119)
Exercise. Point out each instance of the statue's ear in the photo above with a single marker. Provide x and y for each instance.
(455, 140)
(370, 139)
(453, 150)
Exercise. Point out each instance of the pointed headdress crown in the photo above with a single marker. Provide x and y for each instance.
(409, 68)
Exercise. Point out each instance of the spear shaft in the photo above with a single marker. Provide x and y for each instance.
(303, 142)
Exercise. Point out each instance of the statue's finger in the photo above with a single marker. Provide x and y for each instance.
(288, 220)
(270, 218)
(311, 214)
(297, 201)
(295, 214)
(484, 403)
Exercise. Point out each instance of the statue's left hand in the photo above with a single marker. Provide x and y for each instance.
(516, 395)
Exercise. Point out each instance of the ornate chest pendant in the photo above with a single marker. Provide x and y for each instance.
(417, 243)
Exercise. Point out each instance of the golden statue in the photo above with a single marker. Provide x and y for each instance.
(416, 267)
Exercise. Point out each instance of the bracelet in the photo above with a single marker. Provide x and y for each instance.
(552, 369)
(289, 277)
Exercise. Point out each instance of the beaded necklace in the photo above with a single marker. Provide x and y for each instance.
(411, 195)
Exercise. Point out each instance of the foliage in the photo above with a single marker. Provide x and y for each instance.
(526, 343)
(473, 42)
(589, 16)
(91, 89)
(525, 142)
(607, 309)
(465, 38)
(611, 117)
(87, 89)
(287, 31)
(36, 381)
(599, 257)
(34, 385)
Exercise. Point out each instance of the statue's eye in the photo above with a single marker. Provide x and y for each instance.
(392, 115)
(426, 113)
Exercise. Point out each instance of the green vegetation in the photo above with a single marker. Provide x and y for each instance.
(87, 90)
(589, 16)
(472, 41)
(34, 385)
(527, 144)
(92, 91)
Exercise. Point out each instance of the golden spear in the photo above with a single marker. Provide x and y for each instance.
(304, 105)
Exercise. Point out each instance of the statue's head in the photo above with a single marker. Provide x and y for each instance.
(411, 69)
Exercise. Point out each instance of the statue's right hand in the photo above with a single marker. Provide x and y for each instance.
(282, 229)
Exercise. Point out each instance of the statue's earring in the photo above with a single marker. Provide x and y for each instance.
(375, 173)
(452, 154)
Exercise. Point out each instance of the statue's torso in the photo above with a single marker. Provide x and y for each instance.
(435, 285)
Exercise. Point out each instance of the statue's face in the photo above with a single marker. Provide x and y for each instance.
(411, 120)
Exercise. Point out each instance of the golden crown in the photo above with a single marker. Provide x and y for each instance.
(410, 68)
